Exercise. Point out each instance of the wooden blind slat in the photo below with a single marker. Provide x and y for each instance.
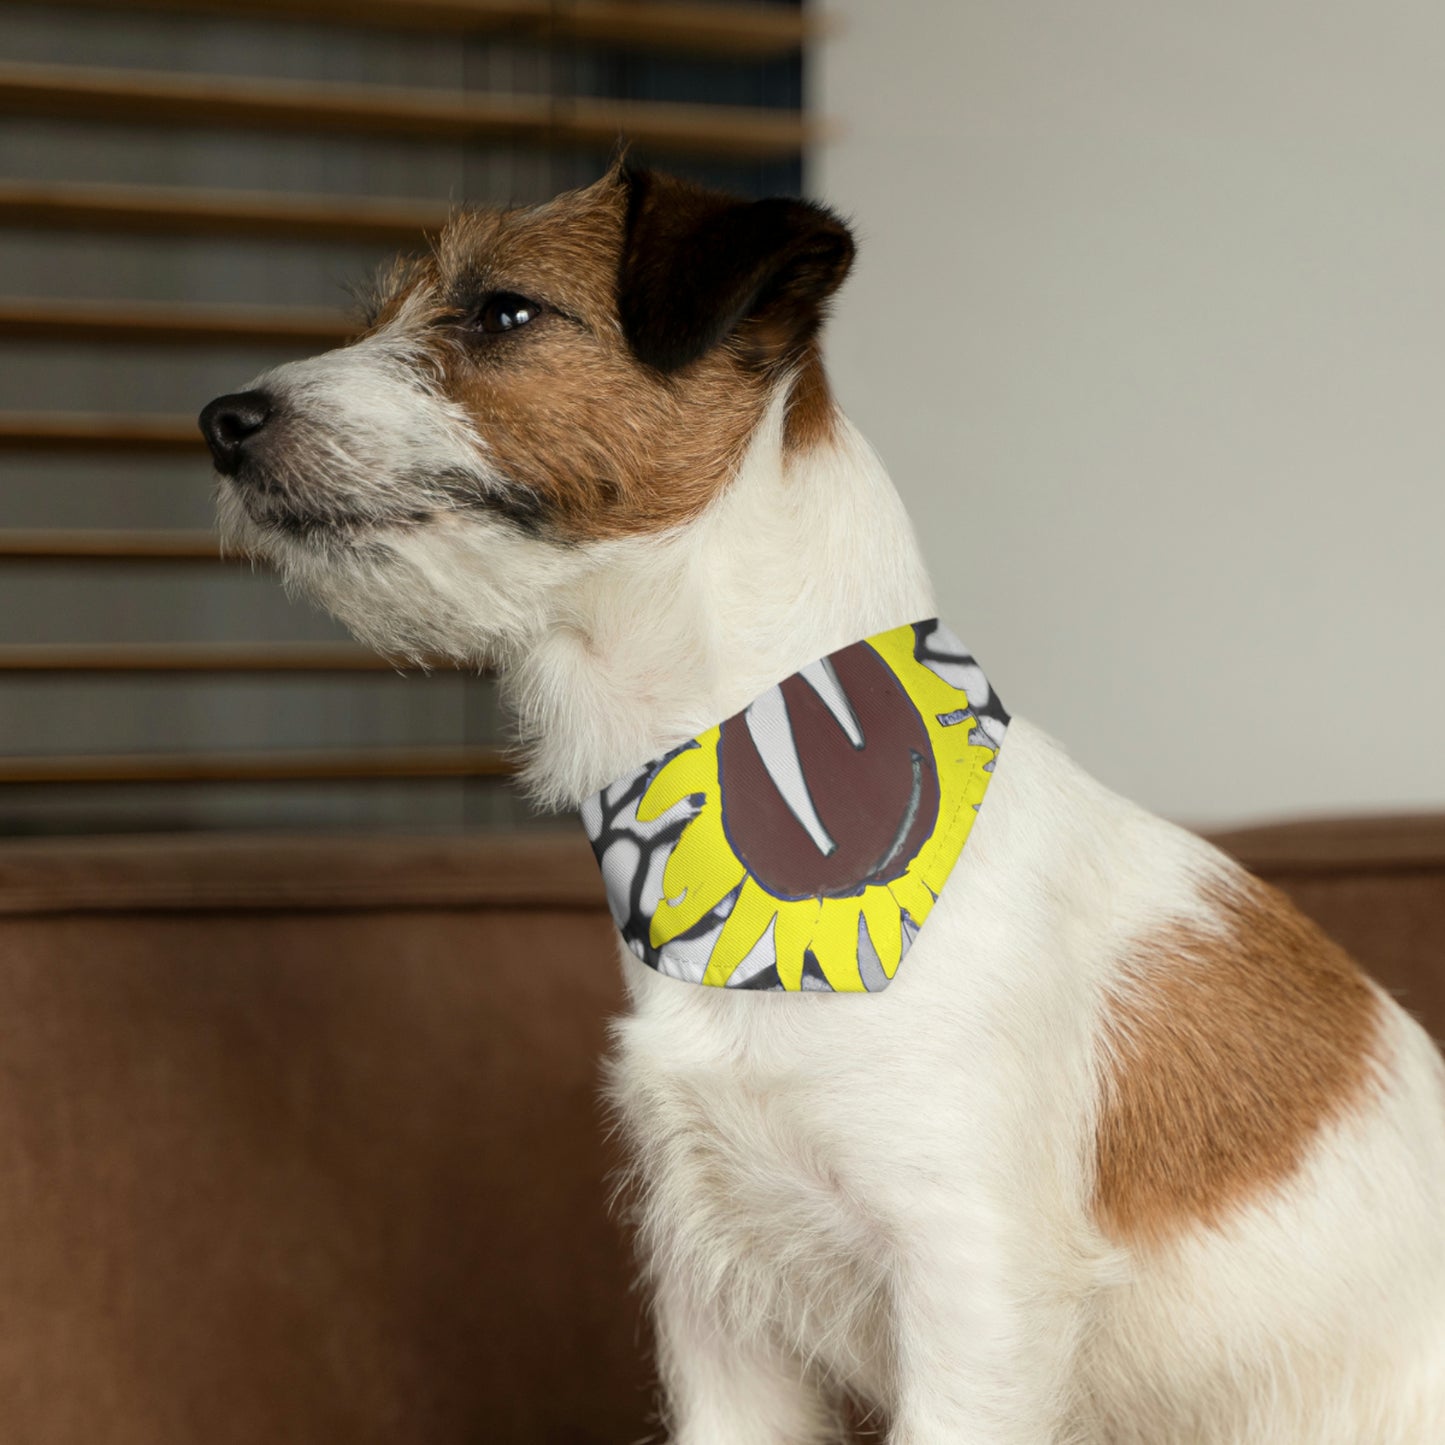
(94, 431)
(705, 29)
(262, 767)
(168, 323)
(108, 546)
(160, 98)
(173, 210)
(756, 31)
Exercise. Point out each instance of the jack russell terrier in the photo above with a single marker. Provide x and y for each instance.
(955, 1085)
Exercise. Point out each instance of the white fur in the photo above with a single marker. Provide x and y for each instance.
(890, 1194)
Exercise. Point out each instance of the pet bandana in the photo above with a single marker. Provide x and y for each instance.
(801, 844)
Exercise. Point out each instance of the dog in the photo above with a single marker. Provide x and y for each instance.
(1127, 1152)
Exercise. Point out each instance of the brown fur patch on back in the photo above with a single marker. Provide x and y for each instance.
(1228, 1051)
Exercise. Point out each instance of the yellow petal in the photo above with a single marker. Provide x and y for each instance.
(749, 920)
(701, 872)
(885, 927)
(835, 943)
(792, 935)
(693, 770)
(911, 894)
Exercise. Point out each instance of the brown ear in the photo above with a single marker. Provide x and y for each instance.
(699, 266)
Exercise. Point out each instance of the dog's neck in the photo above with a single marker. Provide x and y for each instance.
(803, 553)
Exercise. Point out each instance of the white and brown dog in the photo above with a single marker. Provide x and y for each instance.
(1129, 1153)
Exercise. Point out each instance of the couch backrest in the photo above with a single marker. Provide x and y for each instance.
(300, 1140)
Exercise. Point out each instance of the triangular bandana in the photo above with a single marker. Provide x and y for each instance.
(801, 844)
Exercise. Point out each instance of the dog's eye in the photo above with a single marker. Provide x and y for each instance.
(505, 311)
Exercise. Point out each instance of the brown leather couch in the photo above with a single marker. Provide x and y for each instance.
(300, 1141)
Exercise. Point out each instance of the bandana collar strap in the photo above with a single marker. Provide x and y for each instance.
(801, 845)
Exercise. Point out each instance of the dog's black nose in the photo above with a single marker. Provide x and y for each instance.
(229, 422)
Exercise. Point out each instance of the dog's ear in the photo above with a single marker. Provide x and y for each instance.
(699, 267)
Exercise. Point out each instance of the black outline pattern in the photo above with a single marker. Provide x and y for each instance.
(935, 643)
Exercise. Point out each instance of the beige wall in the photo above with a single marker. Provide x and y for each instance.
(1149, 324)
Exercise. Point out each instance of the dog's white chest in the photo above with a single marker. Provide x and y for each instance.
(749, 1189)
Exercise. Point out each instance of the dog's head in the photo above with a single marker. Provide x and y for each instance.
(545, 382)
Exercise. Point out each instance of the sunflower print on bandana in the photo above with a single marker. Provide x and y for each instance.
(802, 844)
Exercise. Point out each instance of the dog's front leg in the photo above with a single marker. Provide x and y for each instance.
(721, 1387)
(985, 1350)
